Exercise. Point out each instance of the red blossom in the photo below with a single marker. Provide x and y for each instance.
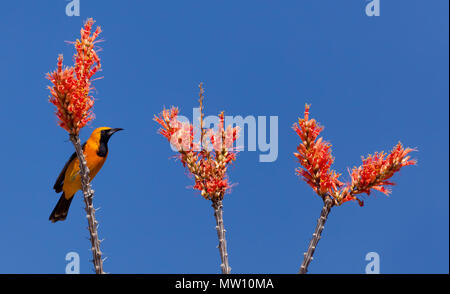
(223, 138)
(168, 121)
(375, 173)
(314, 155)
(71, 88)
(208, 167)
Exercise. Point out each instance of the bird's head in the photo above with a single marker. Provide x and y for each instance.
(103, 134)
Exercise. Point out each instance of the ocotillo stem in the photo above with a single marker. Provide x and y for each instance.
(327, 204)
(90, 210)
(218, 214)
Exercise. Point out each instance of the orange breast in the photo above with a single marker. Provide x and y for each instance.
(72, 180)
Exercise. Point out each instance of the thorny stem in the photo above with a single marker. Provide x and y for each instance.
(218, 214)
(90, 210)
(308, 255)
(200, 100)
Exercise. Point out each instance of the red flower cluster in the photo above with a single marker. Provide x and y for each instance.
(375, 172)
(223, 138)
(315, 157)
(71, 86)
(209, 167)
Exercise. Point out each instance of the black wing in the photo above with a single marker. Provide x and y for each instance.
(60, 180)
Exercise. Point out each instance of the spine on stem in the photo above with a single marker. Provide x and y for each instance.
(308, 255)
(218, 214)
(88, 194)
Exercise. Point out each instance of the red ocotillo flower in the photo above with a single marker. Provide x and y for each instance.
(207, 165)
(314, 155)
(375, 172)
(167, 119)
(70, 92)
(212, 165)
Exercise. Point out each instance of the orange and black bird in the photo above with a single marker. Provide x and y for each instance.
(69, 181)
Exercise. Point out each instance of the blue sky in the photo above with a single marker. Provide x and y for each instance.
(371, 82)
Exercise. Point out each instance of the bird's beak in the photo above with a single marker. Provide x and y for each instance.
(112, 131)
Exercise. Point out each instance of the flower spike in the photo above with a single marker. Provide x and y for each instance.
(70, 92)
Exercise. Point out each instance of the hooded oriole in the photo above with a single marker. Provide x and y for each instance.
(69, 181)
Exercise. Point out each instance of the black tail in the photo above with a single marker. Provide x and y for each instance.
(61, 209)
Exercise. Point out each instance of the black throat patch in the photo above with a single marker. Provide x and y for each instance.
(103, 147)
